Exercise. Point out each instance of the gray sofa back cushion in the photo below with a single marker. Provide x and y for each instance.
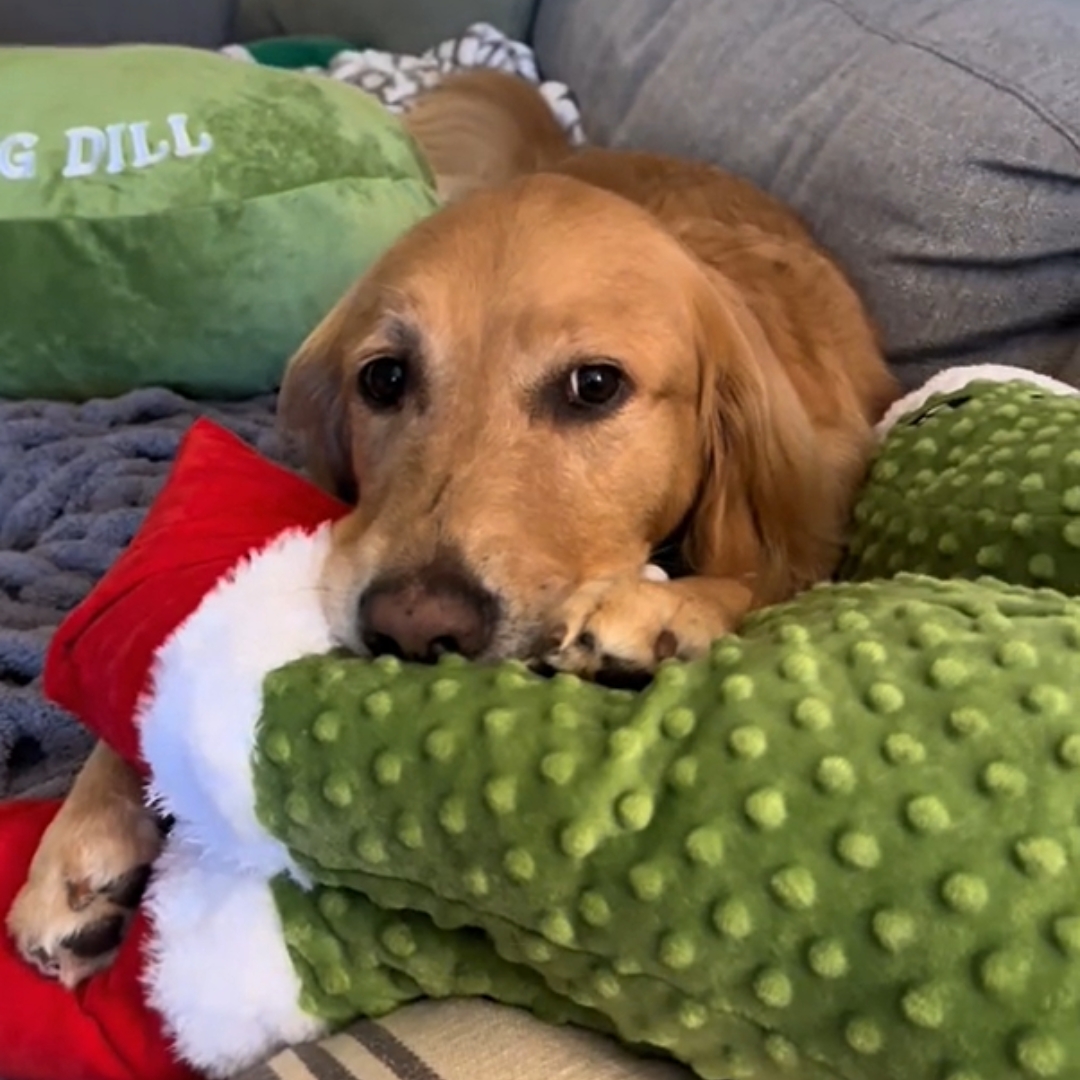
(206, 23)
(933, 145)
(408, 26)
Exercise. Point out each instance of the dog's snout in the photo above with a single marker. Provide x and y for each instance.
(426, 616)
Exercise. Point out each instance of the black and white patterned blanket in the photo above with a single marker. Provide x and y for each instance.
(396, 79)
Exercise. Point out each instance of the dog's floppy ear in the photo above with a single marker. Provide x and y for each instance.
(313, 410)
(769, 510)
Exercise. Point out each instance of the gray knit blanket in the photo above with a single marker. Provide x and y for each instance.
(75, 483)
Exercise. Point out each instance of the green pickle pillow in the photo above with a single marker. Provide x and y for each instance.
(178, 218)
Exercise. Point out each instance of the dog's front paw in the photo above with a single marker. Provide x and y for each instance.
(85, 882)
(618, 630)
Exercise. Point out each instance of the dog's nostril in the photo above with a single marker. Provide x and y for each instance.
(382, 645)
(447, 643)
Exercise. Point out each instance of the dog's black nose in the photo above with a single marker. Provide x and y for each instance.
(436, 611)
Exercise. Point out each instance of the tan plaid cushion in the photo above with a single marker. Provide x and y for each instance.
(461, 1040)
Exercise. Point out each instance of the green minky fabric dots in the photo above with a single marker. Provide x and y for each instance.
(844, 845)
(359, 959)
(981, 481)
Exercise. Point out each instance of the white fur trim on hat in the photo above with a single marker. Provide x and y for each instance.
(945, 382)
(197, 725)
(218, 971)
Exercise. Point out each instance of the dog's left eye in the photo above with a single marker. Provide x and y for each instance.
(382, 382)
(595, 385)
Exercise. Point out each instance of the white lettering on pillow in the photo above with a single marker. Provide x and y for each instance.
(17, 158)
(114, 149)
(85, 149)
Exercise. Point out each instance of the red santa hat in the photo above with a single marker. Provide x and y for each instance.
(222, 503)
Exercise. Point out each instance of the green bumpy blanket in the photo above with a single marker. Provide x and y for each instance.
(983, 478)
(844, 845)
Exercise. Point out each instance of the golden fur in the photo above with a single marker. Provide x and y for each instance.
(755, 371)
(497, 513)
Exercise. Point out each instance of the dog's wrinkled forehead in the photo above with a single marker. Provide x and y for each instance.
(539, 226)
(516, 271)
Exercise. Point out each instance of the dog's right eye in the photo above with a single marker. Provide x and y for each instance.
(384, 381)
(592, 386)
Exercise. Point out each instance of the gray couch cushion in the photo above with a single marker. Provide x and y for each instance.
(408, 26)
(204, 23)
(934, 145)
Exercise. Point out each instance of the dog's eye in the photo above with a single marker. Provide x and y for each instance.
(593, 385)
(383, 382)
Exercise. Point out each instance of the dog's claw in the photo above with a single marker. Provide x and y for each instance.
(621, 629)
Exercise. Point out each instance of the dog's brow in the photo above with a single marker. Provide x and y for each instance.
(402, 335)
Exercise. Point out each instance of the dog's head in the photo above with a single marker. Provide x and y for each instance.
(536, 388)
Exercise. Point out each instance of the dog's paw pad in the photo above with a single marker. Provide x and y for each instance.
(127, 890)
(80, 953)
(97, 940)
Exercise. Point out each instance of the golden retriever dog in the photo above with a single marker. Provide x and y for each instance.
(587, 362)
